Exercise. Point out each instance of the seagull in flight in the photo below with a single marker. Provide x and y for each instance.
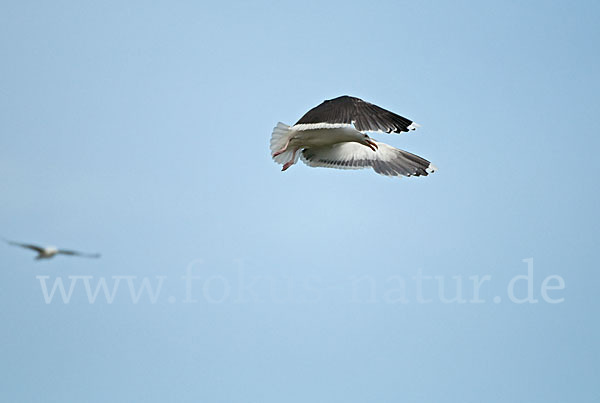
(48, 252)
(332, 135)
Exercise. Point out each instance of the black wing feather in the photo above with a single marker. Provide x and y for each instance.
(364, 115)
(75, 253)
(28, 246)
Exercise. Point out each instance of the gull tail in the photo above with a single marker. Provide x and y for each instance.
(279, 139)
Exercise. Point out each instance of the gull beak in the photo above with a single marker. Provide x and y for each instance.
(371, 144)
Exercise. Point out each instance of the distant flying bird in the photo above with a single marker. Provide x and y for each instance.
(332, 135)
(50, 251)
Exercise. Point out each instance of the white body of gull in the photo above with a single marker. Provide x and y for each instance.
(332, 135)
(48, 252)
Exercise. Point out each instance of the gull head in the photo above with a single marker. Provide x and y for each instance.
(368, 141)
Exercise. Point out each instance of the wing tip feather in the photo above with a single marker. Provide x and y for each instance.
(413, 126)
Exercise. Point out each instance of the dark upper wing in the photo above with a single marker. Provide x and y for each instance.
(364, 115)
(28, 246)
(75, 253)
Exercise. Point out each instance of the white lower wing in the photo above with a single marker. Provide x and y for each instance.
(386, 160)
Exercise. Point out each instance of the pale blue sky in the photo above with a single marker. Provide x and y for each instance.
(140, 130)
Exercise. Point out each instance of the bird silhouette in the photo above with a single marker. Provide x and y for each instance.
(47, 252)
